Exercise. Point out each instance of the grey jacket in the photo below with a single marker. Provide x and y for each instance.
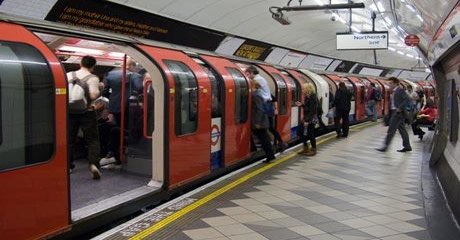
(259, 117)
(401, 99)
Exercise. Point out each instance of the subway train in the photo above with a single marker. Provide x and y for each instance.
(194, 124)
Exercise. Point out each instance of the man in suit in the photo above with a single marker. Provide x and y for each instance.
(399, 102)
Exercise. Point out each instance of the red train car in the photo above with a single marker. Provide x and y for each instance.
(192, 123)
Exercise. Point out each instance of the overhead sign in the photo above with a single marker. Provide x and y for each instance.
(113, 17)
(253, 50)
(411, 40)
(363, 40)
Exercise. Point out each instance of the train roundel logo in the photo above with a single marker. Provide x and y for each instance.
(215, 135)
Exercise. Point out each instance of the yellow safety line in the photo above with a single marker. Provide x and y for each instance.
(171, 218)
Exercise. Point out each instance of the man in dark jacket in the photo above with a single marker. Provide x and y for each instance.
(342, 104)
(260, 123)
(399, 102)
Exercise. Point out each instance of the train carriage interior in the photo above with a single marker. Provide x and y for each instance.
(133, 176)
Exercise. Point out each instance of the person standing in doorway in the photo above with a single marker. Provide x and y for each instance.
(399, 103)
(87, 119)
(372, 102)
(342, 104)
(260, 122)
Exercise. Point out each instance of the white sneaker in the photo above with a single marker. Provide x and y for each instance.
(107, 161)
(96, 173)
(112, 166)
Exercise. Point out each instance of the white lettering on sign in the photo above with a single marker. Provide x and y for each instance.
(369, 40)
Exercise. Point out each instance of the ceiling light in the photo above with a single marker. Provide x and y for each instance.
(81, 50)
(399, 52)
(319, 2)
(388, 20)
(355, 29)
(116, 54)
(410, 55)
(373, 7)
(411, 8)
(391, 49)
(420, 17)
(380, 7)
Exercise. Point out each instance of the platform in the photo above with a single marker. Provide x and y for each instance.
(347, 191)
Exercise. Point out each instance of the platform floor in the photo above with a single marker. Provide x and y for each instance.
(347, 191)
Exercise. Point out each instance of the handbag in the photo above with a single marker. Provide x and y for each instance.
(330, 113)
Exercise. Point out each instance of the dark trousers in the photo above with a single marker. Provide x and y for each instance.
(310, 135)
(110, 139)
(264, 138)
(88, 124)
(275, 133)
(397, 123)
(341, 129)
(421, 121)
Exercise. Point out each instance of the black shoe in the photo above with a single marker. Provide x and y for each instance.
(282, 146)
(384, 149)
(344, 136)
(404, 150)
(338, 136)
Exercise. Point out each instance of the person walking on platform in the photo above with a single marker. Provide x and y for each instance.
(342, 104)
(260, 122)
(399, 103)
(310, 119)
(85, 119)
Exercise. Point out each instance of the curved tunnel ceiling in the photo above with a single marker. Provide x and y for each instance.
(313, 31)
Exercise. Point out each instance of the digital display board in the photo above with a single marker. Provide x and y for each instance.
(113, 17)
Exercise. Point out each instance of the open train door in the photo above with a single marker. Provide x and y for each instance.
(186, 99)
(34, 194)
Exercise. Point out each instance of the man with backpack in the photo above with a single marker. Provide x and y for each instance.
(83, 90)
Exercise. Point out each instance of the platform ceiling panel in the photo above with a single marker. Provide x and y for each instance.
(310, 31)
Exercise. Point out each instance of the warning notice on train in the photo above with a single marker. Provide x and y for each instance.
(363, 40)
(113, 17)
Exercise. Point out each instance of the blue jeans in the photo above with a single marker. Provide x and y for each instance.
(371, 109)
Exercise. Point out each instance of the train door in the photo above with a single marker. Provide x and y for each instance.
(296, 94)
(33, 139)
(217, 129)
(386, 92)
(187, 100)
(321, 92)
(380, 104)
(302, 78)
(283, 95)
(236, 122)
(361, 91)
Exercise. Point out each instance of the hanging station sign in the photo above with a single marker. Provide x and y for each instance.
(363, 40)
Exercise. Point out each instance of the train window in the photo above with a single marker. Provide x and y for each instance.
(26, 106)
(282, 94)
(295, 89)
(186, 97)
(216, 106)
(241, 95)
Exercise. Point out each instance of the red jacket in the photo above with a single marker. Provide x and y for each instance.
(431, 112)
